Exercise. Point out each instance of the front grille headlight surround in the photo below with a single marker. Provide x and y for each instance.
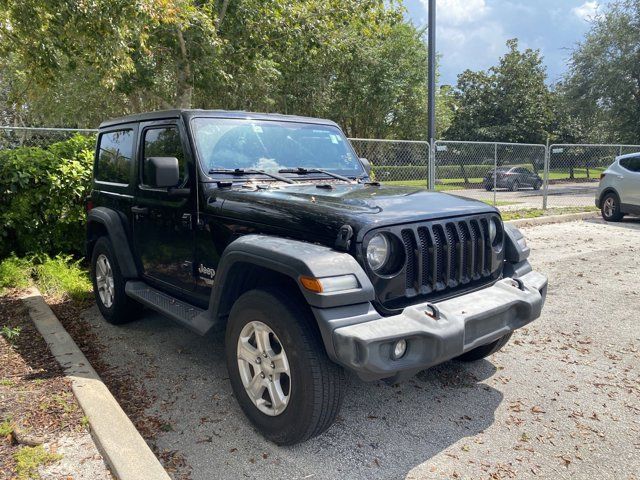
(384, 254)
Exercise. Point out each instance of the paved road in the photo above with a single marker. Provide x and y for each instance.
(562, 400)
(560, 195)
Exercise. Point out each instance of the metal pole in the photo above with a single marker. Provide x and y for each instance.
(545, 180)
(495, 173)
(431, 86)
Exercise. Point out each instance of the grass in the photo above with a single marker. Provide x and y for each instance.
(28, 459)
(14, 273)
(6, 428)
(538, 212)
(61, 276)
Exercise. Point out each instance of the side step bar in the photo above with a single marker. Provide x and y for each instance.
(181, 312)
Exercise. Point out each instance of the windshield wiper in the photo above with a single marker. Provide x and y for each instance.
(305, 171)
(243, 171)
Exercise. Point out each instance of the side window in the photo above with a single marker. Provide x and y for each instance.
(163, 142)
(632, 163)
(114, 156)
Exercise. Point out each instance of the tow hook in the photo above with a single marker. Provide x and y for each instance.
(517, 283)
(432, 311)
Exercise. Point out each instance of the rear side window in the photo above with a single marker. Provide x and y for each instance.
(114, 157)
(632, 163)
(163, 142)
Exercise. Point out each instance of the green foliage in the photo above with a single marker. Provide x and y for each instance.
(28, 459)
(14, 273)
(6, 428)
(602, 89)
(509, 103)
(62, 276)
(10, 334)
(42, 191)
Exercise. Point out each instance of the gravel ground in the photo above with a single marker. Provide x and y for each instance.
(562, 400)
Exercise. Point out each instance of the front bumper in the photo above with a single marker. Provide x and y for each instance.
(463, 323)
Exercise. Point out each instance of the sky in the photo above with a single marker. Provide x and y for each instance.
(471, 34)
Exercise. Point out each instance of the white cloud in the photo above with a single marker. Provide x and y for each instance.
(587, 11)
(458, 12)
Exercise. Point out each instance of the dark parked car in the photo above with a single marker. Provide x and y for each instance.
(268, 230)
(512, 178)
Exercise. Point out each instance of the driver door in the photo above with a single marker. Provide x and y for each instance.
(163, 231)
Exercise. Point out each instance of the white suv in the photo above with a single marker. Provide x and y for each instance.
(619, 190)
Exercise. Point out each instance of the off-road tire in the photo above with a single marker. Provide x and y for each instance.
(483, 351)
(123, 309)
(616, 214)
(317, 385)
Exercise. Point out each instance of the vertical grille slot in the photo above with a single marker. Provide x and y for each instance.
(426, 246)
(409, 241)
(465, 242)
(487, 246)
(452, 272)
(439, 247)
(478, 249)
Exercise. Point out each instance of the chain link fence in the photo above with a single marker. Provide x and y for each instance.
(574, 172)
(396, 162)
(507, 175)
(14, 137)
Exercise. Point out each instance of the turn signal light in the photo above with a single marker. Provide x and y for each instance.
(330, 284)
(311, 284)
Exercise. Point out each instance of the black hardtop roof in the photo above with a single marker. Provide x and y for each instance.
(187, 114)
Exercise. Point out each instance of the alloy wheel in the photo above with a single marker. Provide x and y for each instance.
(264, 368)
(104, 280)
(609, 207)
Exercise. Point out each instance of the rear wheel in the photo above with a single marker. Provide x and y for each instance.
(611, 208)
(278, 368)
(108, 285)
(483, 351)
(537, 185)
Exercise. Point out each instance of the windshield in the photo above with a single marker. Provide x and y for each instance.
(272, 146)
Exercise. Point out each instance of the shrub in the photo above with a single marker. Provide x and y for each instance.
(42, 192)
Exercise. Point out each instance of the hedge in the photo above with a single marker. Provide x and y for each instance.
(42, 193)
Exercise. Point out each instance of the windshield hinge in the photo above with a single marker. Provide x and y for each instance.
(343, 242)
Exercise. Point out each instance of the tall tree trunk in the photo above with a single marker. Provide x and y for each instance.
(184, 87)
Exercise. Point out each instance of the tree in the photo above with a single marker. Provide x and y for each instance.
(356, 61)
(509, 103)
(602, 88)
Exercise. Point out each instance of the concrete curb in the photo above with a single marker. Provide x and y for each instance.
(571, 217)
(120, 443)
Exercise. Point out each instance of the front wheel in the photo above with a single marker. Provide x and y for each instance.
(611, 208)
(515, 186)
(537, 185)
(483, 351)
(278, 368)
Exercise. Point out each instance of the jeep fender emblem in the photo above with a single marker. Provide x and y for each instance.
(206, 272)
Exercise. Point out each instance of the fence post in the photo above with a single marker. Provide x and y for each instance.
(545, 180)
(495, 173)
(620, 150)
(431, 173)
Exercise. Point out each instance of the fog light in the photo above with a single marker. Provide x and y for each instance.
(399, 349)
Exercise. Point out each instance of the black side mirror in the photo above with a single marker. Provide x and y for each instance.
(163, 171)
(367, 165)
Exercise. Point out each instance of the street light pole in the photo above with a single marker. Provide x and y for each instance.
(431, 86)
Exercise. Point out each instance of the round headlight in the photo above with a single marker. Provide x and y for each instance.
(493, 230)
(378, 251)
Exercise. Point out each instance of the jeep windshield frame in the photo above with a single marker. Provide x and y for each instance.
(223, 145)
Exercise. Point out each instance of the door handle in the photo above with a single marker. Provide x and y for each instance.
(186, 220)
(139, 210)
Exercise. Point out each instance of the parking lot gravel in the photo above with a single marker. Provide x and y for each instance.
(562, 400)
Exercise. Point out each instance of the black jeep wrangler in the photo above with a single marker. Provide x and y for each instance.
(269, 228)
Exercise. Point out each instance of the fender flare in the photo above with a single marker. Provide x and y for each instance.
(606, 191)
(292, 258)
(113, 224)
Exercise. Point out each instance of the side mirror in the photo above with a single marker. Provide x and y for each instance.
(163, 171)
(367, 165)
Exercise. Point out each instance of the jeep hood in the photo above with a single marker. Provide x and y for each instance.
(320, 212)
